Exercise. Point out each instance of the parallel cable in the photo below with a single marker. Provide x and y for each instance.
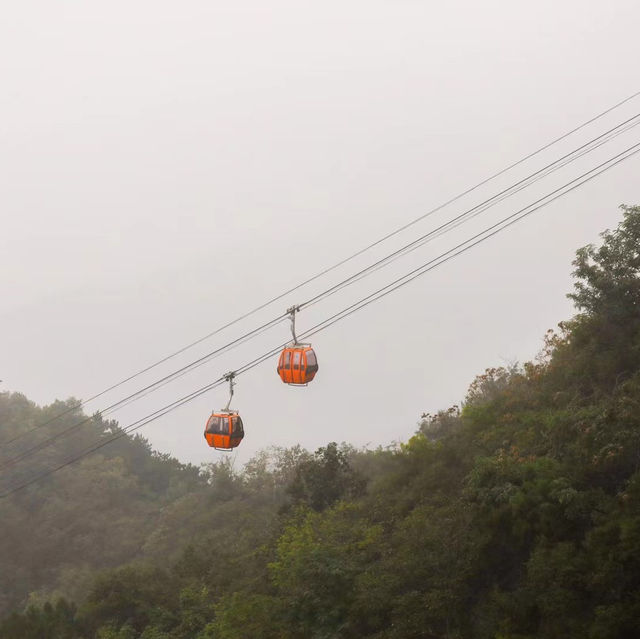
(330, 268)
(414, 245)
(479, 208)
(366, 301)
(472, 214)
(478, 238)
(140, 393)
(131, 428)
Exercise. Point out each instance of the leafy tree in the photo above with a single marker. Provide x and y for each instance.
(325, 478)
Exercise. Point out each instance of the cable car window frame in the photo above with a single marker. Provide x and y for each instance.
(287, 360)
(297, 360)
(237, 429)
(219, 426)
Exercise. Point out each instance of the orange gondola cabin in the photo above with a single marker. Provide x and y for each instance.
(298, 364)
(224, 430)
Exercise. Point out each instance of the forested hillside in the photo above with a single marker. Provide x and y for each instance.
(95, 514)
(516, 515)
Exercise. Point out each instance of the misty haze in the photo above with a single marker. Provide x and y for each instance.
(319, 320)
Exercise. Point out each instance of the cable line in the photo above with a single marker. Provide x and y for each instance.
(414, 245)
(141, 393)
(366, 301)
(331, 268)
(483, 206)
(479, 237)
(132, 427)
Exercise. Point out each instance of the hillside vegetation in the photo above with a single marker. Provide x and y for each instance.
(515, 516)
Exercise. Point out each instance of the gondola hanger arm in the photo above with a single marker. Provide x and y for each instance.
(292, 314)
(230, 377)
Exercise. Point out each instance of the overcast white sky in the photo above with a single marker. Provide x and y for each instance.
(166, 166)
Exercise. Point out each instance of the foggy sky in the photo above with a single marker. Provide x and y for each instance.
(166, 166)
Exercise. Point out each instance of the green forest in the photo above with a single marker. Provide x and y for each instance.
(513, 516)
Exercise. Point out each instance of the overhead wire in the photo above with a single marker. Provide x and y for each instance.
(479, 208)
(482, 236)
(141, 393)
(122, 433)
(414, 245)
(330, 268)
(472, 214)
(353, 308)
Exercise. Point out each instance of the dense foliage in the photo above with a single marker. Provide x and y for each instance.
(95, 514)
(516, 516)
